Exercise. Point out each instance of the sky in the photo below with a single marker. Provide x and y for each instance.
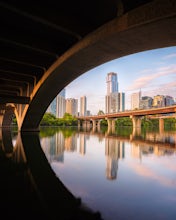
(153, 72)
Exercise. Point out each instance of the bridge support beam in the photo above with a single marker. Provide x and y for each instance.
(136, 120)
(79, 123)
(111, 125)
(96, 124)
(86, 124)
(1, 119)
(99, 125)
(161, 125)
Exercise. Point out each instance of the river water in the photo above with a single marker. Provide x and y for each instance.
(123, 174)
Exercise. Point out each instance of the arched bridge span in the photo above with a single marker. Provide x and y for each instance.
(121, 28)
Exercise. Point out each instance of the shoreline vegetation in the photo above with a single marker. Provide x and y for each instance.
(70, 121)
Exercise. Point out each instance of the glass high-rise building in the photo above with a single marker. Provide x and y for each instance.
(83, 106)
(61, 104)
(121, 101)
(115, 101)
(135, 100)
(72, 106)
(57, 106)
(112, 83)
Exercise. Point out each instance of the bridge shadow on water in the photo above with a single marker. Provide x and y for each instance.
(29, 189)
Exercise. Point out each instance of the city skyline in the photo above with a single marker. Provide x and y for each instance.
(152, 72)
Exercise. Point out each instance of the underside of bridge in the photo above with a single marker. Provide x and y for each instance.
(46, 45)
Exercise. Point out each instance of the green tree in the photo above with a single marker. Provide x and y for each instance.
(100, 112)
(48, 119)
(125, 121)
(69, 120)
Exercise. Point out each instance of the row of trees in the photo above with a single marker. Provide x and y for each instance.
(50, 120)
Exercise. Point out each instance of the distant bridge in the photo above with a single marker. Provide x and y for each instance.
(135, 115)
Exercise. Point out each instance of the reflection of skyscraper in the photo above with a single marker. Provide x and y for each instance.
(135, 150)
(82, 147)
(71, 143)
(54, 147)
(59, 147)
(114, 149)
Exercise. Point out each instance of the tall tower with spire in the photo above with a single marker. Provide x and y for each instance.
(115, 101)
(112, 83)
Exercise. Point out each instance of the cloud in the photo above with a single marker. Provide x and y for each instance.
(169, 56)
(144, 171)
(150, 78)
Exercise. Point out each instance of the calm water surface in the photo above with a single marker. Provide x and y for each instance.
(123, 175)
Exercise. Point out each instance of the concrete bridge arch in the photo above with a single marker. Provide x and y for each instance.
(8, 111)
(147, 27)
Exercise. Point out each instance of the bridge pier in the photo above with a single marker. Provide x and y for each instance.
(111, 125)
(99, 125)
(136, 120)
(79, 124)
(96, 125)
(86, 124)
(1, 120)
(161, 125)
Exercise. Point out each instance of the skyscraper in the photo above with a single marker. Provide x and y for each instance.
(115, 101)
(135, 100)
(83, 106)
(112, 84)
(57, 106)
(61, 104)
(121, 100)
(72, 106)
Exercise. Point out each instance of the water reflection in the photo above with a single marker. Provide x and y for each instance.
(123, 174)
(29, 188)
(114, 149)
(150, 142)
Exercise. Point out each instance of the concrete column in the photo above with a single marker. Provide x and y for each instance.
(99, 125)
(136, 120)
(109, 125)
(161, 125)
(1, 119)
(88, 125)
(94, 124)
(79, 123)
(84, 124)
(113, 125)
